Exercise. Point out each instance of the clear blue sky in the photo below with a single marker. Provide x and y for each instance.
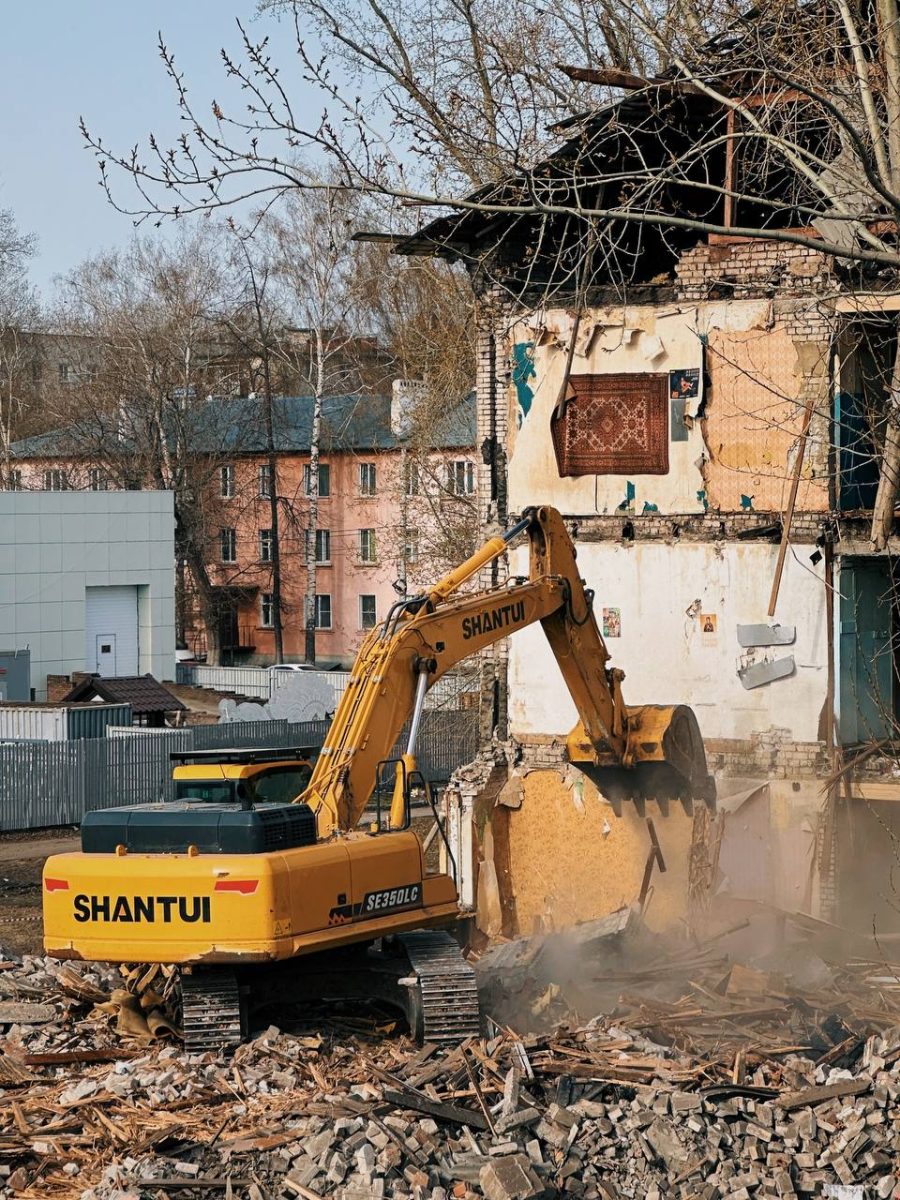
(60, 59)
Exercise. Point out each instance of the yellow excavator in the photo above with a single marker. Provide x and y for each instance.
(328, 895)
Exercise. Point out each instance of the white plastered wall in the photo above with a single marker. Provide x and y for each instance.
(662, 592)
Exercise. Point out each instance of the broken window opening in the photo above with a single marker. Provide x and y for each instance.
(866, 351)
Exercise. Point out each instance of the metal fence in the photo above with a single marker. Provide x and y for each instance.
(455, 690)
(56, 783)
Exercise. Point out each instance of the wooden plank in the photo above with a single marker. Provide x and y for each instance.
(177, 1185)
(828, 1091)
(792, 500)
(59, 1057)
(442, 1112)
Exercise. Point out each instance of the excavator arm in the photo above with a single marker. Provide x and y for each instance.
(630, 752)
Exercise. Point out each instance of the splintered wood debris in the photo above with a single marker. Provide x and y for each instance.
(741, 1087)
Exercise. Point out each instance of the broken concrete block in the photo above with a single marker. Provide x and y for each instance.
(666, 1143)
(510, 1178)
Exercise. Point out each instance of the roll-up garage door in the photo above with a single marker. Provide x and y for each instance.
(111, 630)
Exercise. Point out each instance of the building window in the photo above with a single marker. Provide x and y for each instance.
(266, 545)
(265, 479)
(226, 482)
(413, 479)
(98, 480)
(56, 480)
(266, 610)
(461, 478)
(14, 481)
(367, 546)
(323, 611)
(64, 370)
(323, 545)
(367, 483)
(366, 612)
(411, 546)
(324, 480)
(37, 371)
(228, 540)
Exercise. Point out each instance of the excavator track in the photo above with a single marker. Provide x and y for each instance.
(447, 987)
(212, 1010)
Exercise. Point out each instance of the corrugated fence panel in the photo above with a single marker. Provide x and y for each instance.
(55, 783)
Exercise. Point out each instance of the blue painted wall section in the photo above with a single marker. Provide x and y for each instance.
(522, 372)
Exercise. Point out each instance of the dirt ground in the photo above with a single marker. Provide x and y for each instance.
(22, 857)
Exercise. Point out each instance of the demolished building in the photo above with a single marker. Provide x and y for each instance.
(707, 411)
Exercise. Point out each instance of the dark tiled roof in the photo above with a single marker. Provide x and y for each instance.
(237, 425)
(144, 693)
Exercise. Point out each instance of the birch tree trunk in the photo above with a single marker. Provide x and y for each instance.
(313, 508)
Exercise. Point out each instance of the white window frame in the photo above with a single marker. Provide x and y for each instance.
(65, 372)
(322, 596)
(267, 602)
(98, 480)
(56, 479)
(266, 545)
(411, 546)
(231, 547)
(368, 479)
(374, 599)
(14, 480)
(461, 471)
(367, 546)
(323, 540)
(226, 481)
(264, 481)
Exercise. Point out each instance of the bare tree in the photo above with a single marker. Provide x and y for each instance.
(424, 312)
(20, 319)
(315, 256)
(786, 127)
(142, 416)
(257, 327)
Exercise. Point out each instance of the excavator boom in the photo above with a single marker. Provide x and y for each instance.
(648, 751)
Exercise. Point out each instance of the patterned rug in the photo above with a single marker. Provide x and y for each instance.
(613, 425)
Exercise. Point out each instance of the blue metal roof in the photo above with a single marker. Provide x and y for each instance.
(237, 425)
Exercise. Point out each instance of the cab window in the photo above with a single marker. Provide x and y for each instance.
(219, 791)
(281, 785)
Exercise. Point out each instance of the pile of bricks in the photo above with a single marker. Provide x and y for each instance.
(667, 1099)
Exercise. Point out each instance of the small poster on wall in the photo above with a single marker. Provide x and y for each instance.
(684, 384)
(612, 623)
(709, 623)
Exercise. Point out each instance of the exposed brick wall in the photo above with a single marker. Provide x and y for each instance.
(751, 269)
(767, 754)
(58, 687)
(696, 527)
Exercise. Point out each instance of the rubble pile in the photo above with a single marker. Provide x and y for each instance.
(742, 1088)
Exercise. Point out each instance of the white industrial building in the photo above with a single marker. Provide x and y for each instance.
(87, 582)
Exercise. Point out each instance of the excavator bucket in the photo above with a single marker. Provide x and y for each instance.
(665, 759)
